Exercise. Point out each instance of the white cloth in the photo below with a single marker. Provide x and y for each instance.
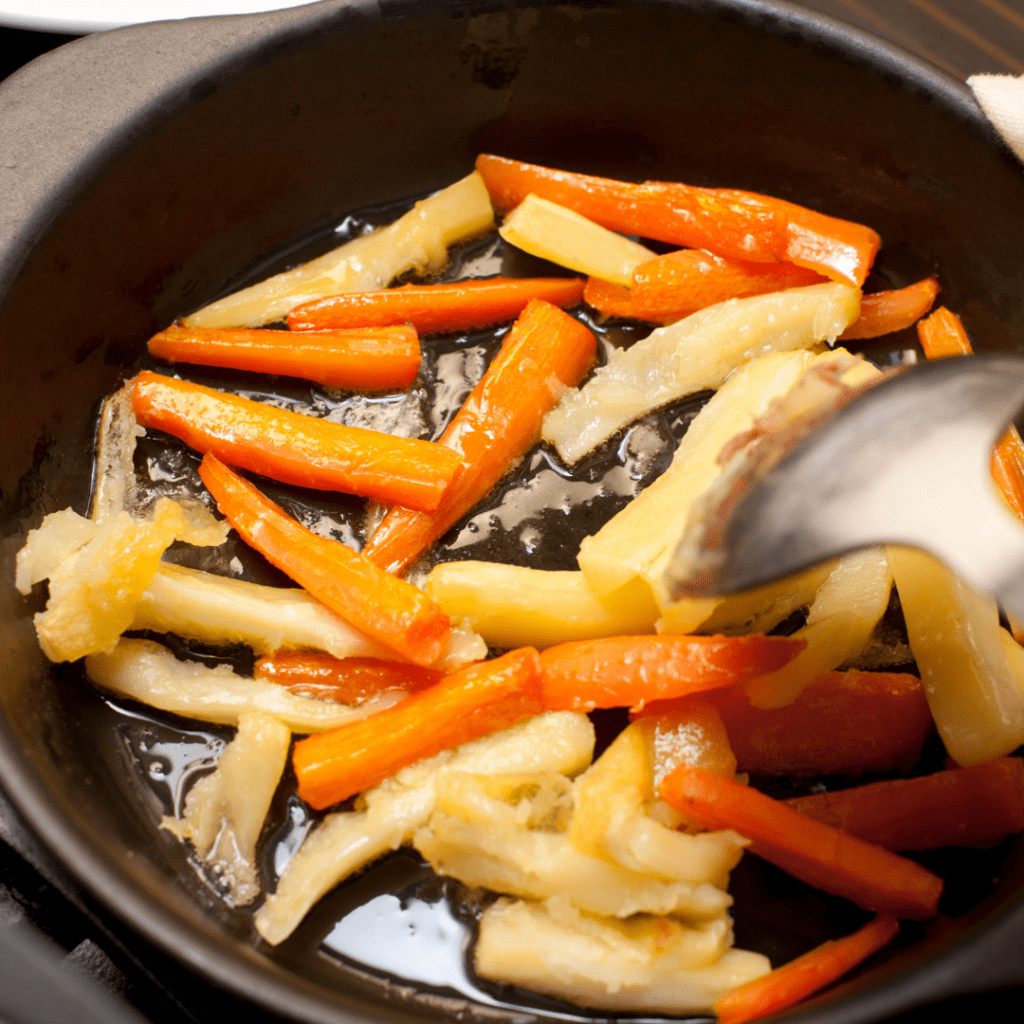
(1002, 99)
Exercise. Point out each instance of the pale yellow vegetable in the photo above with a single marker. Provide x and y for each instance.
(642, 965)
(115, 488)
(515, 606)
(98, 571)
(839, 626)
(417, 241)
(556, 233)
(753, 611)
(148, 672)
(481, 841)
(973, 688)
(222, 610)
(560, 741)
(610, 821)
(694, 354)
(633, 545)
(225, 811)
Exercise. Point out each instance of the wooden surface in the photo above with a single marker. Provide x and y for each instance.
(963, 37)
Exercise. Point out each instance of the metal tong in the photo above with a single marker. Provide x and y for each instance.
(906, 462)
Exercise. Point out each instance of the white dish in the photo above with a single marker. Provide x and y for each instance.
(78, 17)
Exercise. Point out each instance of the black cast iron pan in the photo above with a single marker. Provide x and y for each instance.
(145, 170)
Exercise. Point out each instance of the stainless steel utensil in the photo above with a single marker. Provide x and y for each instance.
(907, 462)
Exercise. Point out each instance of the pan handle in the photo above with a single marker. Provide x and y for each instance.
(65, 112)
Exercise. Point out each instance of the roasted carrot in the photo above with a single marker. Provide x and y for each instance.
(885, 312)
(959, 807)
(680, 214)
(295, 449)
(730, 222)
(434, 308)
(610, 298)
(391, 611)
(546, 351)
(941, 335)
(842, 723)
(680, 283)
(818, 854)
(627, 671)
(689, 731)
(470, 703)
(367, 359)
(342, 680)
(806, 974)
(840, 249)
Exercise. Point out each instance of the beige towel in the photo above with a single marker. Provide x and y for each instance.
(1002, 99)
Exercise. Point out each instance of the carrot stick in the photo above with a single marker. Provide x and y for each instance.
(806, 974)
(818, 854)
(434, 308)
(941, 335)
(680, 214)
(680, 283)
(730, 222)
(959, 807)
(501, 419)
(367, 359)
(842, 723)
(473, 702)
(626, 671)
(342, 680)
(295, 449)
(386, 609)
(610, 298)
(885, 312)
(840, 249)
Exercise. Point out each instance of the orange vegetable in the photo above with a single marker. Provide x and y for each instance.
(818, 854)
(470, 703)
(391, 611)
(342, 680)
(610, 298)
(545, 350)
(433, 308)
(689, 731)
(806, 974)
(842, 723)
(626, 671)
(959, 807)
(680, 283)
(295, 449)
(885, 312)
(730, 222)
(941, 335)
(367, 359)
